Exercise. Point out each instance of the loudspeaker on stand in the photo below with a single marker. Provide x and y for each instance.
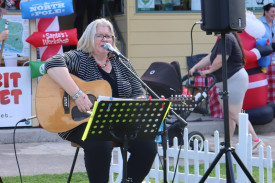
(223, 15)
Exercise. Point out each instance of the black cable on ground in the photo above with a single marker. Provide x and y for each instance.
(22, 120)
(160, 160)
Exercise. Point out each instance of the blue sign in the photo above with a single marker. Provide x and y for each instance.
(46, 8)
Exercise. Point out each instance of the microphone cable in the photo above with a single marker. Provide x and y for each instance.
(26, 120)
(176, 164)
(199, 22)
(188, 82)
(191, 56)
(14, 148)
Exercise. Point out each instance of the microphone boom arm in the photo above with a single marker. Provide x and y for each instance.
(148, 88)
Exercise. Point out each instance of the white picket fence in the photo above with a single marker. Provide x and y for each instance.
(195, 158)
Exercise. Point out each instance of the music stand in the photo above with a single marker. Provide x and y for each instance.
(227, 149)
(125, 120)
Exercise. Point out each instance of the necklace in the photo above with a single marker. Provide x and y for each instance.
(104, 65)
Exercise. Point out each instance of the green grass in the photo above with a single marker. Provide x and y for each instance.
(46, 178)
(82, 177)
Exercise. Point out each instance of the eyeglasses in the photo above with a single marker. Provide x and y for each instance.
(101, 36)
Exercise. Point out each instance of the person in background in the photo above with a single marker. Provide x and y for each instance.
(4, 35)
(268, 20)
(90, 61)
(237, 79)
(269, 23)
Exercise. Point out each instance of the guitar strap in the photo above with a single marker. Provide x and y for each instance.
(66, 103)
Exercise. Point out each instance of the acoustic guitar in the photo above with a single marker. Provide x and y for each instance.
(56, 111)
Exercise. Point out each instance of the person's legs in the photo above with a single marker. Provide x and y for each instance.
(92, 10)
(252, 131)
(141, 159)
(80, 7)
(237, 86)
(233, 113)
(99, 6)
(97, 155)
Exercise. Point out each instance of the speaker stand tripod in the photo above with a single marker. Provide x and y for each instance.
(227, 150)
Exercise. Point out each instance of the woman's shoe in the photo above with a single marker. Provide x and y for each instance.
(256, 145)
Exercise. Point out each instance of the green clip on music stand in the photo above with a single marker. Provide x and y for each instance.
(125, 120)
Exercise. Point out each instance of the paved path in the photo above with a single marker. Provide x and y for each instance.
(39, 158)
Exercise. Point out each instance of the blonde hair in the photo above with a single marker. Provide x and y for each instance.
(87, 41)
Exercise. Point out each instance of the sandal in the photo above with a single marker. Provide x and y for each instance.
(256, 145)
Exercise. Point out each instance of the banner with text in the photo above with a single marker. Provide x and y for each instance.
(65, 37)
(46, 8)
(15, 95)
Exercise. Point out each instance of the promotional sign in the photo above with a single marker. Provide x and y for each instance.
(66, 37)
(15, 95)
(46, 8)
(18, 33)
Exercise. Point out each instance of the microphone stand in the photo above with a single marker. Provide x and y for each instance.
(184, 123)
(164, 135)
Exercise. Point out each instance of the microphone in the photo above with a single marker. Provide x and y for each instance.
(109, 47)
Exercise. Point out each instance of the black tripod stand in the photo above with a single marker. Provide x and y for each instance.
(227, 149)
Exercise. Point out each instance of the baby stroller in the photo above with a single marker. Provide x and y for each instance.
(165, 80)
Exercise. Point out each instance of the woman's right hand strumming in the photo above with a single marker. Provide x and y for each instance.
(83, 103)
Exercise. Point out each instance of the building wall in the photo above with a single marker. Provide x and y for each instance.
(163, 37)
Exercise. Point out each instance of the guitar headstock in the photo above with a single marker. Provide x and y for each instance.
(183, 102)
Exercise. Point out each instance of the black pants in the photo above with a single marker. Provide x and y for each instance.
(97, 157)
(93, 8)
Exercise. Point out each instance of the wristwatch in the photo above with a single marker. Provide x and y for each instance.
(77, 95)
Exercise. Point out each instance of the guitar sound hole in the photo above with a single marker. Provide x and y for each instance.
(92, 98)
(79, 116)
